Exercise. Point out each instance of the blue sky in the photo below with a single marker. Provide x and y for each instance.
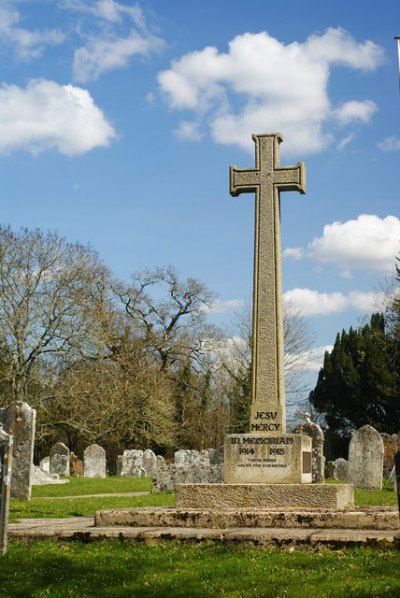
(119, 121)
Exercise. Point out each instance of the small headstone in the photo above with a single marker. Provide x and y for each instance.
(149, 463)
(59, 459)
(19, 420)
(366, 458)
(313, 430)
(94, 462)
(130, 463)
(44, 464)
(340, 469)
(6, 443)
(75, 466)
(40, 477)
(190, 467)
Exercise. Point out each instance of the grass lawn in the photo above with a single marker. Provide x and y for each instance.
(56, 506)
(119, 569)
(169, 569)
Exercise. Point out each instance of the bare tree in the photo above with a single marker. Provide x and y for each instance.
(47, 291)
(170, 313)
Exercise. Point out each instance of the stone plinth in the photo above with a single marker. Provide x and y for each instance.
(273, 458)
(264, 496)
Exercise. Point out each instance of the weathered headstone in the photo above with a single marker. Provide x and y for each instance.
(366, 458)
(45, 464)
(59, 459)
(189, 467)
(6, 443)
(19, 420)
(130, 463)
(94, 462)
(314, 431)
(341, 469)
(267, 454)
(149, 463)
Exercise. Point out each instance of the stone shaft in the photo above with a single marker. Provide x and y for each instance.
(267, 179)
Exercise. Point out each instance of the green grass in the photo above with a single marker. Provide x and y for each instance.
(57, 506)
(80, 507)
(116, 569)
(78, 486)
(387, 497)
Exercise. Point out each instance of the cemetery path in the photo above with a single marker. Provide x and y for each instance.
(83, 529)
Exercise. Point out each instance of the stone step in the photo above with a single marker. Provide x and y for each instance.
(363, 519)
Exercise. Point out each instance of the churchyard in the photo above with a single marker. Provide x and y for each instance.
(260, 513)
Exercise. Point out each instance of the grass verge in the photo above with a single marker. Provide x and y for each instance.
(116, 570)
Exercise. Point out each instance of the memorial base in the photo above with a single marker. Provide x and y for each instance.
(265, 496)
(267, 458)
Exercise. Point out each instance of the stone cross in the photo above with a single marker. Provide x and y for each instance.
(267, 179)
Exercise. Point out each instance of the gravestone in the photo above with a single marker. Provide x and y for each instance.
(341, 469)
(366, 458)
(314, 431)
(45, 464)
(59, 459)
(189, 467)
(19, 420)
(94, 462)
(149, 463)
(130, 463)
(6, 444)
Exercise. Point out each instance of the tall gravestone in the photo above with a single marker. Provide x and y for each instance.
(6, 442)
(94, 462)
(365, 469)
(59, 459)
(267, 467)
(314, 431)
(19, 420)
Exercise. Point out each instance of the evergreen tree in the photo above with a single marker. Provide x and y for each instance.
(358, 383)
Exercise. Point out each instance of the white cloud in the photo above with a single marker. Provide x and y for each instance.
(314, 303)
(26, 43)
(343, 143)
(312, 360)
(47, 115)
(101, 55)
(368, 243)
(389, 144)
(294, 253)
(279, 87)
(224, 306)
(356, 111)
(117, 33)
(189, 130)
